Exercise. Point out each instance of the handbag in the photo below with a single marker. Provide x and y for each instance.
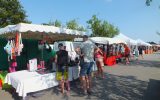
(94, 66)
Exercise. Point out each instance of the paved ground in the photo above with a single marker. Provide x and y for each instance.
(140, 80)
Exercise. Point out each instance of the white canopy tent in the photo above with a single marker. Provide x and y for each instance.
(101, 40)
(105, 40)
(126, 39)
(23, 27)
(141, 42)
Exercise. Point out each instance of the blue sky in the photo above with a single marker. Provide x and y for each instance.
(132, 17)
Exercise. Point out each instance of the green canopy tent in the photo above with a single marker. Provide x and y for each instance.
(31, 35)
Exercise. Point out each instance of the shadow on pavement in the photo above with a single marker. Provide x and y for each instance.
(116, 88)
(153, 90)
(144, 63)
(113, 87)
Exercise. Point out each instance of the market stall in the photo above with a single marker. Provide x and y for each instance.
(110, 50)
(32, 36)
(25, 81)
(147, 48)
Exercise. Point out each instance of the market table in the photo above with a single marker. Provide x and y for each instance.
(25, 82)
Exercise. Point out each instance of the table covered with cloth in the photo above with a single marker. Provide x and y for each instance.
(110, 61)
(25, 82)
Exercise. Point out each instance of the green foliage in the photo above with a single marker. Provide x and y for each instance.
(72, 24)
(11, 12)
(158, 33)
(102, 28)
(57, 23)
(81, 28)
(148, 2)
(50, 23)
(45, 23)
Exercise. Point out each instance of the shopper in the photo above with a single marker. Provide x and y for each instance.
(87, 58)
(127, 53)
(141, 51)
(62, 64)
(99, 61)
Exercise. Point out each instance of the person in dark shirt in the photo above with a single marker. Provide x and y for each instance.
(141, 51)
(62, 62)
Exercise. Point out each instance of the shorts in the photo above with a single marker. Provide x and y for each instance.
(60, 77)
(86, 69)
(99, 62)
(61, 69)
(62, 73)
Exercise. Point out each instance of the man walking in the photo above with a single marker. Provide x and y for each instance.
(87, 57)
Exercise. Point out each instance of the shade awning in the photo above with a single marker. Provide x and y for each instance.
(105, 40)
(141, 42)
(126, 39)
(23, 27)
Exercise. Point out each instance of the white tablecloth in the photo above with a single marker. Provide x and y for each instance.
(25, 82)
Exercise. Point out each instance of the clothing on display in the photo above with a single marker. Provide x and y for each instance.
(14, 46)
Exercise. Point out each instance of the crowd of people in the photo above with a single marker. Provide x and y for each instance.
(87, 56)
(90, 59)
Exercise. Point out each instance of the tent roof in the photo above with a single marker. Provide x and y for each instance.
(141, 42)
(105, 40)
(100, 40)
(126, 39)
(23, 27)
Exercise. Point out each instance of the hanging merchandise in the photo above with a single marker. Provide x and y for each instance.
(13, 49)
(20, 44)
(41, 46)
(13, 65)
(8, 48)
(16, 42)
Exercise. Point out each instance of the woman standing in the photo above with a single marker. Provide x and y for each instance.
(99, 61)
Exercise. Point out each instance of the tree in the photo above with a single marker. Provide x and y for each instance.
(158, 33)
(57, 23)
(72, 24)
(81, 28)
(148, 2)
(11, 12)
(102, 28)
